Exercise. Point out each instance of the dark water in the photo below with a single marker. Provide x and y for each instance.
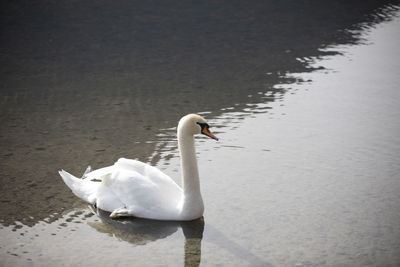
(88, 82)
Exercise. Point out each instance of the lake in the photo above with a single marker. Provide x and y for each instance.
(303, 96)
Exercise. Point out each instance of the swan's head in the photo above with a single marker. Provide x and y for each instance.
(195, 124)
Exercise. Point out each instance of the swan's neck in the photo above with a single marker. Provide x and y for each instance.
(192, 200)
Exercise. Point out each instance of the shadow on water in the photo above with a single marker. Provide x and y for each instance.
(142, 231)
(137, 231)
(87, 82)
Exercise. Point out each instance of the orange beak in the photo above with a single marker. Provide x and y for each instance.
(207, 132)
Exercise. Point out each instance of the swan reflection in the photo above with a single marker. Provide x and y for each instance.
(138, 231)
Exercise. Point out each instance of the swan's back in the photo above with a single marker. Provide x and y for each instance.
(146, 180)
(142, 188)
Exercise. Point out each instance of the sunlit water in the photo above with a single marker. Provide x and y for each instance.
(306, 173)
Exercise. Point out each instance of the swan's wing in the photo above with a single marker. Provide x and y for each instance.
(99, 174)
(152, 173)
(139, 186)
(142, 169)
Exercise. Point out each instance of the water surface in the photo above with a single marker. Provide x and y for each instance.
(304, 101)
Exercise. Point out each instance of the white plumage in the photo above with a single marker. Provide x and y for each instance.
(133, 188)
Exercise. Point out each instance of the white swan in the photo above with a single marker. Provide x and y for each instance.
(133, 188)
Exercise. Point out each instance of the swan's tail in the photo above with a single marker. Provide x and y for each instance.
(82, 188)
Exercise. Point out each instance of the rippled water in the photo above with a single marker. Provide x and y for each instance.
(304, 101)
